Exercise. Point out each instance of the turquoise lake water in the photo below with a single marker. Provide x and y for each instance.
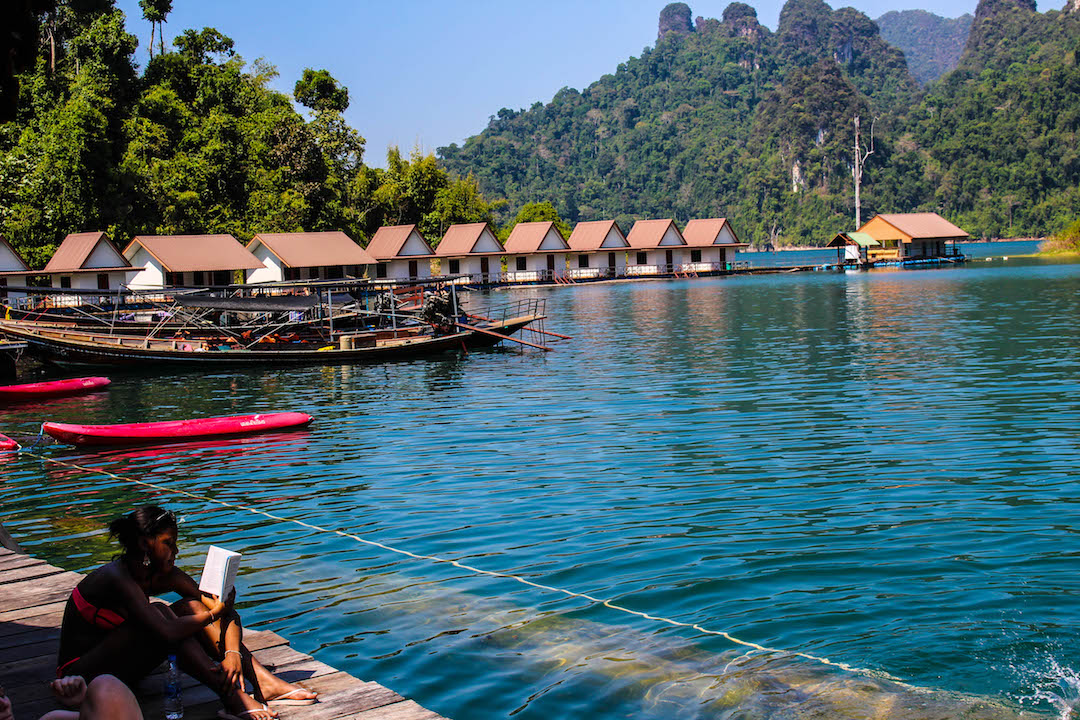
(877, 469)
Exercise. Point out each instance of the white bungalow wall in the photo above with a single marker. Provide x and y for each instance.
(9, 261)
(487, 242)
(104, 255)
(150, 276)
(399, 269)
(414, 245)
(271, 271)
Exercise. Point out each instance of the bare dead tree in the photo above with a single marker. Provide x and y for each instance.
(861, 153)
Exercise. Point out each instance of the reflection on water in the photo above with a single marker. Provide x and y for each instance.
(875, 468)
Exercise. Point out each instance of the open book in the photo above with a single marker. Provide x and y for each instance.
(219, 572)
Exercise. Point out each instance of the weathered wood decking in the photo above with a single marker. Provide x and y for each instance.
(32, 597)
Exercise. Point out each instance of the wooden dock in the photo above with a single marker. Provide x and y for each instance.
(32, 598)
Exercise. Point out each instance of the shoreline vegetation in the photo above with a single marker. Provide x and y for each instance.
(1067, 242)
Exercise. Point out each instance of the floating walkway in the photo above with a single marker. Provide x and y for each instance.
(32, 598)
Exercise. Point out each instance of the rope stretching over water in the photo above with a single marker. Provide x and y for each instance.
(478, 571)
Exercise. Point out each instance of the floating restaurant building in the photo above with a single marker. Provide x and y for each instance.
(401, 253)
(176, 261)
(471, 249)
(711, 245)
(598, 249)
(13, 271)
(855, 246)
(536, 252)
(288, 257)
(656, 248)
(88, 261)
(911, 236)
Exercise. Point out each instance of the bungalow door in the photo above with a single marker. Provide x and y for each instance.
(485, 268)
(414, 271)
(611, 264)
(551, 266)
(669, 260)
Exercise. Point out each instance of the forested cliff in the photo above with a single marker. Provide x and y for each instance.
(724, 117)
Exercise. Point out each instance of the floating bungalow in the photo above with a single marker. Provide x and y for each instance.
(13, 271)
(853, 247)
(536, 251)
(471, 249)
(711, 245)
(656, 248)
(288, 257)
(598, 249)
(401, 253)
(178, 261)
(88, 261)
(911, 236)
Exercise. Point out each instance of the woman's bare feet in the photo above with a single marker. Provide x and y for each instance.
(282, 693)
(241, 705)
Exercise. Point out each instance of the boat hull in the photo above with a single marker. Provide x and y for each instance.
(52, 388)
(174, 430)
(81, 350)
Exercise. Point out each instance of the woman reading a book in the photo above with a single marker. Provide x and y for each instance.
(111, 626)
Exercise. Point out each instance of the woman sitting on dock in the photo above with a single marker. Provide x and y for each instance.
(111, 626)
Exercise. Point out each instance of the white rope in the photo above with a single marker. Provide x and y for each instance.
(480, 571)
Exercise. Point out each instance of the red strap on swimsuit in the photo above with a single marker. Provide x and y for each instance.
(100, 617)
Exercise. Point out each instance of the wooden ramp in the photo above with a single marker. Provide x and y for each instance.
(32, 598)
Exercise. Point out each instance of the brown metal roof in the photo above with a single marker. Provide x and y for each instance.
(314, 249)
(647, 234)
(461, 239)
(588, 236)
(923, 225)
(389, 241)
(527, 237)
(76, 249)
(195, 253)
(15, 253)
(704, 233)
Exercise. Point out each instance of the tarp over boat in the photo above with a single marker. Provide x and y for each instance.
(276, 303)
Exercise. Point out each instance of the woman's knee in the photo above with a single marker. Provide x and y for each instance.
(109, 698)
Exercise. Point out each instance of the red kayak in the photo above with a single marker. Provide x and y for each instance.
(52, 388)
(174, 430)
(7, 443)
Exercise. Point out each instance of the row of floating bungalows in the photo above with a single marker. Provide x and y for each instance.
(534, 252)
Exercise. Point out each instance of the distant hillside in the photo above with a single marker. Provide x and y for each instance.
(932, 44)
(726, 118)
(679, 131)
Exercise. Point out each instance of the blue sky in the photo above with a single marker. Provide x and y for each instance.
(431, 72)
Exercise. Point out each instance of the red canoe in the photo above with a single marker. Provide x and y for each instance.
(7, 443)
(174, 430)
(53, 388)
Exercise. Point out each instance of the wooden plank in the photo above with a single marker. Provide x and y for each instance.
(14, 560)
(27, 572)
(405, 710)
(33, 611)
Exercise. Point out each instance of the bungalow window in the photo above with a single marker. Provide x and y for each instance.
(695, 256)
(292, 274)
(65, 282)
(455, 267)
(103, 281)
(222, 277)
(642, 258)
(380, 270)
(197, 278)
(583, 261)
(174, 279)
(521, 263)
(334, 272)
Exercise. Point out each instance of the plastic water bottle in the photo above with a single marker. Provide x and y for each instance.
(174, 704)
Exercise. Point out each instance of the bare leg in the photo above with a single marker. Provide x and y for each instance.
(109, 699)
(228, 632)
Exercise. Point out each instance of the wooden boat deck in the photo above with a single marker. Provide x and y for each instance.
(32, 597)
